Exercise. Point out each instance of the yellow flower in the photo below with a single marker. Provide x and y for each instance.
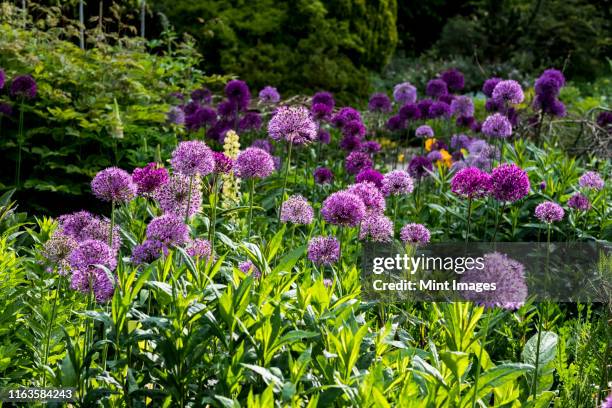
(447, 159)
(429, 142)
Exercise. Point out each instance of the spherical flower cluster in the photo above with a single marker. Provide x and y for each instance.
(250, 121)
(201, 95)
(424, 131)
(149, 178)
(547, 88)
(376, 228)
(404, 93)
(324, 250)
(354, 128)
(370, 175)
(508, 91)
(409, 112)
(324, 98)
(415, 234)
(248, 267)
(253, 163)
(497, 126)
(293, 124)
(24, 86)
(462, 106)
(579, 202)
(238, 93)
(489, 85)
(223, 164)
(604, 119)
(321, 111)
(350, 143)
(228, 110)
(424, 105)
(147, 252)
(460, 141)
(357, 161)
(454, 79)
(323, 175)
(269, 94)
(591, 180)
(57, 250)
(439, 109)
(434, 156)
(370, 146)
(608, 402)
(346, 115)
(419, 167)
(509, 183)
(344, 209)
(549, 212)
(175, 116)
(508, 276)
(395, 123)
(397, 182)
(173, 197)
(199, 249)
(201, 117)
(168, 229)
(83, 226)
(436, 88)
(471, 183)
(86, 275)
(5, 109)
(113, 184)
(193, 157)
(296, 210)
(379, 102)
(370, 195)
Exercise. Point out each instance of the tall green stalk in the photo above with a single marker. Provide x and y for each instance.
(479, 366)
(188, 200)
(20, 140)
(286, 175)
(469, 218)
(213, 217)
(251, 192)
(50, 328)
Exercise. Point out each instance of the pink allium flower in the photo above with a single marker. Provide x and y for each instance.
(471, 183)
(509, 183)
(296, 210)
(324, 250)
(549, 212)
(376, 228)
(415, 233)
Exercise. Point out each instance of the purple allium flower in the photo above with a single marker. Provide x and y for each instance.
(323, 175)
(321, 111)
(395, 123)
(328, 283)
(471, 183)
(344, 209)
(113, 184)
(460, 141)
(175, 116)
(508, 276)
(508, 91)
(424, 106)
(604, 119)
(2, 78)
(371, 196)
(542, 185)
(201, 117)
(202, 95)
(370, 175)
(462, 106)
(448, 98)
(176, 96)
(83, 226)
(237, 92)
(415, 234)
(489, 85)
(254, 163)
(354, 128)
(370, 147)
(83, 261)
(190, 107)
(397, 182)
(57, 250)
(147, 252)
(24, 86)
(579, 202)
(73, 224)
(269, 94)
(497, 126)
(376, 228)
(169, 229)
(199, 248)
(323, 250)
(227, 110)
(409, 112)
(173, 195)
(357, 161)
(223, 164)
(556, 75)
(454, 79)
(249, 268)
(149, 178)
(549, 212)
(404, 93)
(324, 98)
(492, 105)
(296, 210)
(250, 121)
(419, 167)
(263, 144)
(293, 124)
(323, 136)
(439, 109)
(7, 110)
(509, 183)
(346, 115)
(547, 87)
(591, 180)
(465, 121)
(424, 131)
(434, 156)
(379, 102)
(436, 88)
(193, 157)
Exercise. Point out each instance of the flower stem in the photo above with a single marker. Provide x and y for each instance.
(213, 220)
(469, 218)
(112, 226)
(479, 366)
(285, 178)
(20, 137)
(251, 190)
(498, 215)
(188, 200)
(50, 328)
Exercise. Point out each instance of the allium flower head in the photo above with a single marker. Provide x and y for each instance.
(296, 210)
(173, 196)
(323, 175)
(454, 79)
(147, 252)
(379, 102)
(253, 163)
(471, 183)
(465, 121)
(415, 234)
(357, 161)
(346, 115)
(508, 276)
(321, 111)
(249, 268)
(175, 116)
(324, 250)
(7, 110)
(293, 124)
(149, 178)
(237, 92)
(424, 131)
(462, 106)
(549, 212)
(436, 88)
(370, 146)
(608, 402)
(509, 183)
(434, 156)
(328, 283)
(344, 209)
(591, 180)
(410, 111)
(250, 121)
(376, 228)
(395, 123)
(439, 109)
(404, 93)
(263, 144)
(419, 167)
(201, 117)
(489, 85)
(371, 176)
(579, 202)
(200, 249)
(371, 196)
(73, 224)
(354, 128)
(57, 250)
(604, 119)
(460, 141)
(201, 95)
(84, 261)
(169, 229)
(424, 105)
(269, 94)
(508, 91)
(324, 98)
(193, 157)
(497, 126)
(223, 164)
(24, 86)
(228, 110)
(397, 182)
(113, 184)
